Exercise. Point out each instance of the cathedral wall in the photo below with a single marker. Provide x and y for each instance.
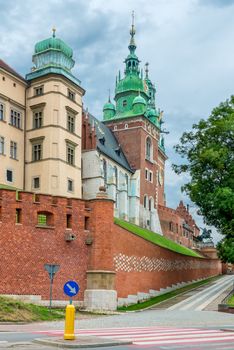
(141, 266)
(104, 258)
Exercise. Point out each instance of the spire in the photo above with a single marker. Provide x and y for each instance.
(147, 70)
(109, 100)
(132, 45)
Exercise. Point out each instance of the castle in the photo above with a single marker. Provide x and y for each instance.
(54, 152)
(50, 145)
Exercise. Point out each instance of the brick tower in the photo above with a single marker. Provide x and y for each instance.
(136, 123)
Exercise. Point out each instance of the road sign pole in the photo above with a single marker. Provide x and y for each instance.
(51, 269)
(51, 286)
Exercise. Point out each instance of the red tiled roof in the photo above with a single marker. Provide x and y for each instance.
(5, 66)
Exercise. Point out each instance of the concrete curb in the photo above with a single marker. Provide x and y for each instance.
(80, 342)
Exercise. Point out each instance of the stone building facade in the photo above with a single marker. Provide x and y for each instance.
(40, 123)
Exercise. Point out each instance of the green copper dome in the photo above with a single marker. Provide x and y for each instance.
(108, 105)
(130, 82)
(53, 43)
(139, 100)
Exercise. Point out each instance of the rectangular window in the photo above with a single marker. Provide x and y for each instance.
(9, 175)
(70, 154)
(2, 145)
(146, 174)
(13, 150)
(15, 119)
(38, 91)
(150, 176)
(36, 182)
(86, 223)
(69, 221)
(37, 120)
(71, 95)
(37, 152)
(70, 185)
(71, 123)
(42, 219)
(1, 111)
(18, 216)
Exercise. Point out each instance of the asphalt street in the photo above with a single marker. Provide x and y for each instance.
(187, 315)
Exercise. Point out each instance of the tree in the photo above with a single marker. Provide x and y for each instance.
(209, 153)
(226, 250)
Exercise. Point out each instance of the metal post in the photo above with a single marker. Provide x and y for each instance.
(51, 286)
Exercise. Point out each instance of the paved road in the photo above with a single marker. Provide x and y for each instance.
(201, 328)
(199, 301)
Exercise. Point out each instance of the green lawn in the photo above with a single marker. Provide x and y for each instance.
(16, 311)
(166, 296)
(156, 238)
(231, 301)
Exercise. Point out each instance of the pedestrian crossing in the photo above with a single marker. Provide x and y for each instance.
(158, 336)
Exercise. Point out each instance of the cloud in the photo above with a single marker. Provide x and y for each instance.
(188, 43)
(216, 3)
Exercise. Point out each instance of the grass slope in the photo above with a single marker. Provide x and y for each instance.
(17, 311)
(231, 301)
(156, 238)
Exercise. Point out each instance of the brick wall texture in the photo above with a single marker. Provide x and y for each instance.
(100, 245)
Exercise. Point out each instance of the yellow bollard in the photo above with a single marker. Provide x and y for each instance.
(69, 323)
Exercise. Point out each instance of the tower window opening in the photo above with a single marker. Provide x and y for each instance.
(124, 103)
(145, 201)
(105, 171)
(69, 221)
(148, 149)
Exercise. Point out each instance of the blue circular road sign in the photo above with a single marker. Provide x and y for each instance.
(71, 288)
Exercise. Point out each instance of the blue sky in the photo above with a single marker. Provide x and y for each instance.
(188, 43)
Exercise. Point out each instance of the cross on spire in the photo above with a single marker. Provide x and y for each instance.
(132, 45)
(53, 30)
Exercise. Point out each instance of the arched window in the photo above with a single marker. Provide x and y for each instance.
(148, 148)
(126, 179)
(145, 201)
(116, 176)
(105, 171)
(44, 218)
(151, 204)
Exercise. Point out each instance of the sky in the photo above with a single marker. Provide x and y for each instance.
(188, 44)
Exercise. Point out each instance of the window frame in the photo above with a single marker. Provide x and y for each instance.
(12, 176)
(70, 181)
(2, 145)
(71, 124)
(13, 150)
(2, 111)
(71, 95)
(148, 149)
(37, 119)
(40, 90)
(15, 118)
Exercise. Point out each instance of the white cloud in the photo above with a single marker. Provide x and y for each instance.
(188, 43)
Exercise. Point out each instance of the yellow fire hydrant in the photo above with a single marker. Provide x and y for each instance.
(69, 323)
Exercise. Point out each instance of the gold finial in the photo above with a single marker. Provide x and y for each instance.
(53, 30)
